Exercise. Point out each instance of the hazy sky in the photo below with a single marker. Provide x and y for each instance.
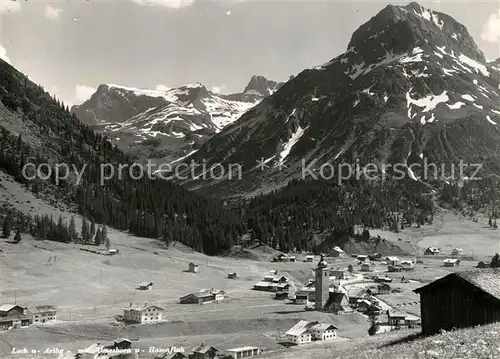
(72, 46)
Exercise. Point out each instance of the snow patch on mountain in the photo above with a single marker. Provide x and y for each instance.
(428, 103)
(139, 92)
(490, 120)
(290, 143)
(480, 68)
(456, 105)
(429, 15)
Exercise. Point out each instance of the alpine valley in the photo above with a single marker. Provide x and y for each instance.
(287, 245)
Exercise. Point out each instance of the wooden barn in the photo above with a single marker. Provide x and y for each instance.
(193, 268)
(146, 286)
(203, 351)
(460, 300)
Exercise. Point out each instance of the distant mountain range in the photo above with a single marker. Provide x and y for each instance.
(412, 85)
(166, 125)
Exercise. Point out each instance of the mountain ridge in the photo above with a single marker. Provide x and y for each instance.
(429, 93)
(166, 124)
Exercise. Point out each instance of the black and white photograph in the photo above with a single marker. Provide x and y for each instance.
(227, 179)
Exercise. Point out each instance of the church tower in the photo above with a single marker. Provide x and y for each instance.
(322, 285)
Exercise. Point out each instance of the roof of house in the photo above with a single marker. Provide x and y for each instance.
(192, 264)
(323, 326)
(172, 355)
(365, 301)
(7, 307)
(145, 284)
(356, 292)
(141, 308)
(392, 258)
(203, 349)
(299, 328)
(337, 249)
(411, 317)
(302, 293)
(485, 279)
(451, 260)
(394, 314)
(263, 284)
(200, 295)
(121, 340)
(237, 350)
(42, 308)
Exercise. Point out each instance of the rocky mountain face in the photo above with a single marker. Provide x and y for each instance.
(258, 88)
(412, 88)
(166, 125)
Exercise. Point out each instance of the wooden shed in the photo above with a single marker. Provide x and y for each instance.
(460, 300)
(193, 268)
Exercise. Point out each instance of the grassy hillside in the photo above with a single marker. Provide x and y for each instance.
(477, 343)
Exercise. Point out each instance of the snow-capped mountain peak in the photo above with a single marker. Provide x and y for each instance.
(180, 117)
(411, 84)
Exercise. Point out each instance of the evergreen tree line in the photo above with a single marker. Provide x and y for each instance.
(288, 218)
(46, 228)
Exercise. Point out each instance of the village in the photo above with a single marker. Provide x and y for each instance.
(304, 299)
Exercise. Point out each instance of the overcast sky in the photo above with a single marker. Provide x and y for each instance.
(72, 46)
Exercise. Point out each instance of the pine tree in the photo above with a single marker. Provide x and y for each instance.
(72, 229)
(105, 237)
(17, 237)
(92, 229)
(495, 261)
(85, 231)
(6, 227)
(98, 237)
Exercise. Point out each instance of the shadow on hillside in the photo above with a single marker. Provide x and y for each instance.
(407, 339)
(288, 312)
(11, 242)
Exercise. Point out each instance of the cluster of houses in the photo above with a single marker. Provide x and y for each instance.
(203, 351)
(273, 282)
(402, 320)
(204, 296)
(305, 332)
(15, 316)
(436, 251)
